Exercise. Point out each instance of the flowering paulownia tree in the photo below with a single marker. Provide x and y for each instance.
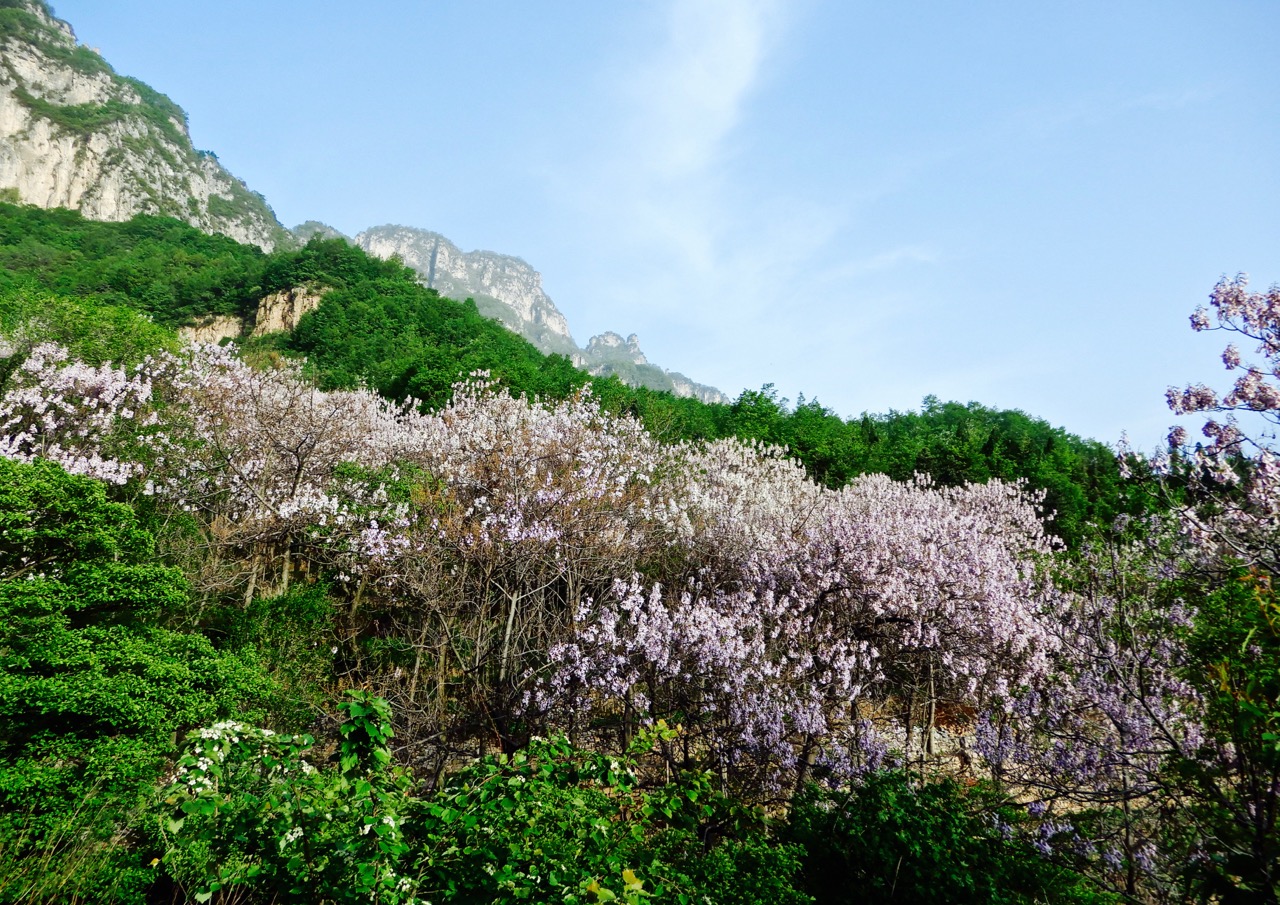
(516, 512)
(1162, 710)
(1243, 524)
(74, 414)
(259, 461)
(817, 620)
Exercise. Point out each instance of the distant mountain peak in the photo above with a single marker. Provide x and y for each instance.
(504, 287)
(611, 345)
(305, 232)
(508, 289)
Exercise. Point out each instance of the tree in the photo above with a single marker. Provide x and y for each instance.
(1162, 711)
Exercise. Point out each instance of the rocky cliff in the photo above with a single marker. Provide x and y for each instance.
(504, 287)
(509, 290)
(610, 346)
(277, 312)
(610, 354)
(75, 134)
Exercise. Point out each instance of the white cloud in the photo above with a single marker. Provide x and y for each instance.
(684, 243)
(656, 181)
(688, 97)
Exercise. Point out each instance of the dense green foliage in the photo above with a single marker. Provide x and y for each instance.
(550, 824)
(565, 825)
(94, 333)
(952, 443)
(895, 839)
(251, 811)
(92, 686)
(406, 341)
(155, 265)
(1234, 647)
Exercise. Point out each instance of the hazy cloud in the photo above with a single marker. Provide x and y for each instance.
(689, 96)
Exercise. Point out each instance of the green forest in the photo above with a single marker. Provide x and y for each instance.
(396, 608)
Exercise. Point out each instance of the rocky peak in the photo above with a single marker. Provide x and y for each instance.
(305, 232)
(610, 355)
(75, 134)
(610, 345)
(507, 289)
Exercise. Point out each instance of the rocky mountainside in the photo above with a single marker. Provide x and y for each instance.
(75, 134)
(507, 289)
(609, 353)
(609, 346)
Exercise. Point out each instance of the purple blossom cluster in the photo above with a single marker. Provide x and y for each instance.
(72, 413)
(810, 609)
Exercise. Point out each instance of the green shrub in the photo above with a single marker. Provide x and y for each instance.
(252, 813)
(92, 691)
(293, 637)
(94, 333)
(557, 824)
(896, 839)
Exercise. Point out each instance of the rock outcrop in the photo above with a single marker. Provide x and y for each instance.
(75, 134)
(213, 329)
(281, 311)
(277, 312)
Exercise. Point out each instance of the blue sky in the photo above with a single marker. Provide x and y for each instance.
(1010, 202)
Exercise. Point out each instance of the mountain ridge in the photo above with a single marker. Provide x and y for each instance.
(75, 134)
(508, 289)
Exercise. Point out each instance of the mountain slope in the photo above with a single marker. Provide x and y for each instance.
(75, 134)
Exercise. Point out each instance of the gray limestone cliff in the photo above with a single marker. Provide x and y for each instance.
(75, 134)
(507, 289)
(610, 346)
